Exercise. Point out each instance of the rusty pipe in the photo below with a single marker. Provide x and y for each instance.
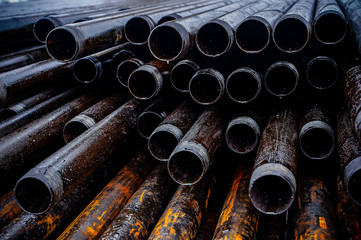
(125, 69)
(9, 209)
(171, 130)
(272, 186)
(193, 155)
(51, 180)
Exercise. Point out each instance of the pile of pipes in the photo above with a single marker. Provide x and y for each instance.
(191, 119)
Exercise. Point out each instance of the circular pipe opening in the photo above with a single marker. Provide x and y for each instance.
(213, 39)
(353, 186)
(322, 72)
(85, 71)
(317, 143)
(119, 57)
(185, 167)
(73, 129)
(161, 144)
(42, 28)
(61, 44)
(252, 36)
(243, 86)
(148, 122)
(33, 195)
(137, 29)
(330, 28)
(205, 88)
(241, 138)
(125, 69)
(291, 35)
(281, 79)
(181, 75)
(142, 84)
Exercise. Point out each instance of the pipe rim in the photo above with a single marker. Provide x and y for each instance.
(194, 67)
(82, 120)
(124, 80)
(324, 14)
(92, 65)
(315, 61)
(149, 24)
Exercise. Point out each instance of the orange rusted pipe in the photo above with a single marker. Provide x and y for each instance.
(9, 209)
(98, 215)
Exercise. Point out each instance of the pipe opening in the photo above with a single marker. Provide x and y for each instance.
(165, 43)
(119, 57)
(161, 144)
(33, 195)
(137, 30)
(61, 44)
(185, 167)
(252, 36)
(322, 73)
(243, 86)
(317, 143)
(212, 39)
(353, 187)
(271, 194)
(124, 70)
(291, 35)
(241, 138)
(42, 28)
(85, 71)
(330, 28)
(181, 75)
(142, 84)
(148, 122)
(167, 18)
(281, 80)
(73, 129)
(205, 88)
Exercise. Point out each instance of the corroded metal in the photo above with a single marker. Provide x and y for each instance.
(9, 209)
(272, 227)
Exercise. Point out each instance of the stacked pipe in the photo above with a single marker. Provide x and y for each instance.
(183, 120)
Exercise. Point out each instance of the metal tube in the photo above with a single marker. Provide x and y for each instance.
(349, 151)
(119, 57)
(190, 202)
(51, 180)
(148, 81)
(281, 79)
(322, 72)
(9, 209)
(239, 219)
(90, 68)
(91, 116)
(272, 227)
(97, 216)
(125, 68)
(137, 218)
(293, 30)
(244, 85)
(153, 115)
(38, 111)
(171, 130)
(194, 154)
(23, 81)
(22, 58)
(182, 73)
(253, 34)
(18, 147)
(173, 40)
(316, 136)
(272, 186)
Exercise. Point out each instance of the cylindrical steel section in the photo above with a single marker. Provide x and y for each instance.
(125, 69)
(322, 72)
(119, 58)
(9, 209)
(273, 185)
(182, 73)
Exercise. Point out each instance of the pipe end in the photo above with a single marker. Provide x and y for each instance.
(126, 68)
(87, 70)
(44, 26)
(352, 180)
(322, 72)
(182, 73)
(77, 126)
(138, 28)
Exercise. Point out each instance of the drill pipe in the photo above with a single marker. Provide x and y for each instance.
(216, 37)
(90, 68)
(322, 72)
(22, 58)
(272, 186)
(99, 214)
(38, 111)
(349, 151)
(138, 28)
(244, 130)
(182, 73)
(352, 88)
(119, 57)
(91, 116)
(182, 217)
(239, 219)
(173, 40)
(54, 178)
(329, 23)
(194, 154)
(253, 34)
(271, 227)
(244, 85)
(136, 220)
(171, 130)
(315, 217)
(23, 81)
(281, 79)
(351, 8)
(293, 30)
(316, 136)
(148, 81)
(153, 115)
(125, 68)
(9, 209)
(18, 147)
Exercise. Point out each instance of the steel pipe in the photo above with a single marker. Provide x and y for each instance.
(182, 73)
(119, 57)
(322, 72)
(125, 69)
(9, 209)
